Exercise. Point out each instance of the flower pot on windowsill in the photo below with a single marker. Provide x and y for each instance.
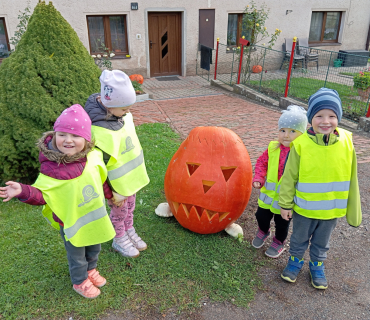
(364, 94)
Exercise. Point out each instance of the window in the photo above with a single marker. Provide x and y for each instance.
(325, 26)
(236, 29)
(4, 41)
(108, 31)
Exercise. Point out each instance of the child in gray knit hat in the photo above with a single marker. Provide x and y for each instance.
(268, 171)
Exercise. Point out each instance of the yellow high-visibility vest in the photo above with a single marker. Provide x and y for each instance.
(269, 193)
(79, 203)
(126, 167)
(324, 177)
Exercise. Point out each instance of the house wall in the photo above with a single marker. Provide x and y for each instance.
(355, 23)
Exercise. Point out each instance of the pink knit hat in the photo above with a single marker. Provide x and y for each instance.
(74, 120)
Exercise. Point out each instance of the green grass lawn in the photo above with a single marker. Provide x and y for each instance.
(302, 88)
(178, 269)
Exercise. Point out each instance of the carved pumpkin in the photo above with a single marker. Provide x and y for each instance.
(137, 77)
(209, 180)
(256, 69)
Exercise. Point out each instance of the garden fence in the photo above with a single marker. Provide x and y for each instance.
(266, 70)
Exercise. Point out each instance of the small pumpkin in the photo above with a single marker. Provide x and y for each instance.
(137, 77)
(256, 69)
(209, 180)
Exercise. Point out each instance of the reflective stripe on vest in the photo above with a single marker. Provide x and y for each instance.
(79, 203)
(323, 186)
(85, 220)
(269, 193)
(321, 205)
(126, 167)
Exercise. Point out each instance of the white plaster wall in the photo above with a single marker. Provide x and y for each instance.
(297, 23)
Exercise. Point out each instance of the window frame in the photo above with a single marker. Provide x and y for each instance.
(6, 36)
(107, 34)
(238, 30)
(323, 28)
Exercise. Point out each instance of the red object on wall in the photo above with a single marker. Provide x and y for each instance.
(209, 180)
(256, 69)
(137, 77)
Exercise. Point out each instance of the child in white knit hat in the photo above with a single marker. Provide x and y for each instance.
(268, 171)
(114, 132)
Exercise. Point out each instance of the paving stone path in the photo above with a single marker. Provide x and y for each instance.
(254, 123)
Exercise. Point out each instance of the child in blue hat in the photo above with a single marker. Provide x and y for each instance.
(319, 186)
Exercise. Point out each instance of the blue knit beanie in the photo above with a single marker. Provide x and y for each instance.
(324, 98)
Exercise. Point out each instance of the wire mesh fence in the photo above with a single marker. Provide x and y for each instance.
(265, 70)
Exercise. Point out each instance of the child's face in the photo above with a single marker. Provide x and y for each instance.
(68, 143)
(119, 112)
(325, 121)
(287, 135)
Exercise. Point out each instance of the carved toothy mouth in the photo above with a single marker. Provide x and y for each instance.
(199, 211)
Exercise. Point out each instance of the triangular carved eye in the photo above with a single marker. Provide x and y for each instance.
(227, 172)
(192, 167)
(207, 185)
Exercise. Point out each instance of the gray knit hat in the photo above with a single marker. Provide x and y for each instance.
(294, 118)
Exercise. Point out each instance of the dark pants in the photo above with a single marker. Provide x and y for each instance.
(80, 259)
(264, 217)
(306, 230)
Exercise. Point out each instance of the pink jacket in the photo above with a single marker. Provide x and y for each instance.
(260, 170)
(55, 165)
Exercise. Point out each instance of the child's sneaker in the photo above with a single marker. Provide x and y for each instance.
(276, 249)
(260, 238)
(86, 289)
(96, 279)
(125, 247)
(292, 269)
(318, 278)
(136, 240)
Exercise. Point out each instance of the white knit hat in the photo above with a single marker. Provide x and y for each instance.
(116, 89)
(294, 118)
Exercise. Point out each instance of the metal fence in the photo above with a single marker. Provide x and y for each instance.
(265, 70)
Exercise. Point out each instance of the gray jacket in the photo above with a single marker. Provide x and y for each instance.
(99, 115)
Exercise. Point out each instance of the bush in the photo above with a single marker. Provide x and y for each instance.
(362, 80)
(49, 71)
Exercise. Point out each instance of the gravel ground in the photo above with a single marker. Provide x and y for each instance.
(347, 271)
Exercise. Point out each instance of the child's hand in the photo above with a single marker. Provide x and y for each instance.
(286, 214)
(118, 199)
(257, 185)
(12, 190)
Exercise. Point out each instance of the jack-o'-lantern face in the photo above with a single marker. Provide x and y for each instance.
(209, 180)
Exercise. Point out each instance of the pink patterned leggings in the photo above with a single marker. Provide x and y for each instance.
(122, 217)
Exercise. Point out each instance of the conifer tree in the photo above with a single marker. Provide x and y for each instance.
(50, 71)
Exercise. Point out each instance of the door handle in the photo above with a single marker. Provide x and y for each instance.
(151, 44)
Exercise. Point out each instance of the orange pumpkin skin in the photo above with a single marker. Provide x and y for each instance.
(137, 77)
(209, 180)
(256, 69)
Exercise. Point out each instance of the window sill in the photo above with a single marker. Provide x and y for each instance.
(120, 57)
(325, 44)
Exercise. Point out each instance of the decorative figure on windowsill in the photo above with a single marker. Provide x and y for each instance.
(208, 181)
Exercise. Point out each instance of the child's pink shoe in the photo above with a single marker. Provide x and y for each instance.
(86, 289)
(96, 279)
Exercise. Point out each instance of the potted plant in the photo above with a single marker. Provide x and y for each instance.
(361, 81)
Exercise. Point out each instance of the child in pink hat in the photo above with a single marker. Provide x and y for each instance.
(114, 132)
(71, 187)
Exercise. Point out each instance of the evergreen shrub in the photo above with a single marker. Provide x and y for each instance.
(50, 71)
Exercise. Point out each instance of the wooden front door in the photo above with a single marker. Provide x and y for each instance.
(165, 43)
